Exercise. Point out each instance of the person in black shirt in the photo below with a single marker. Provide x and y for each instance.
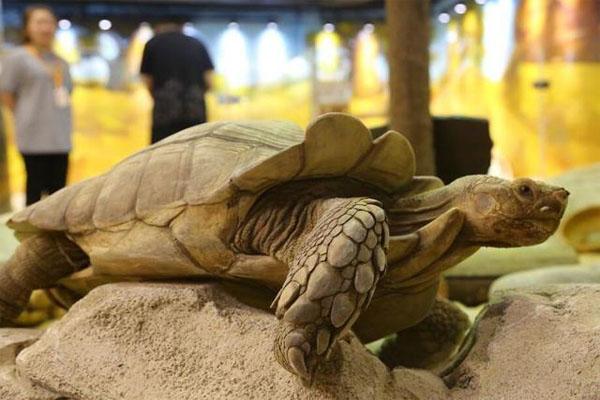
(176, 69)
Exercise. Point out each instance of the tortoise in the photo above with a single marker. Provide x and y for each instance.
(334, 220)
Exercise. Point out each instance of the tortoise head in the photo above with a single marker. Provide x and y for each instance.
(504, 213)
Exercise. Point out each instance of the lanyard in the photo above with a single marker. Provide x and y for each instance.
(54, 68)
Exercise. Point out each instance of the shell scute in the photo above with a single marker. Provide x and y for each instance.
(117, 198)
(78, 215)
(212, 161)
(390, 165)
(50, 214)
(163, 182)
(324, 139)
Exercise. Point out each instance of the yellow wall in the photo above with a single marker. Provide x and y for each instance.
(536, 131)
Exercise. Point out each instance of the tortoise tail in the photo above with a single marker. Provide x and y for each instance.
(38, 263)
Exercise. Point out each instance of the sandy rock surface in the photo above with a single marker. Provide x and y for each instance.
(535, 343)
(13, 386)
(177, 341)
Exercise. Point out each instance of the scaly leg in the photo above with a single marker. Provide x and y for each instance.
(38, 263)
(331, 280)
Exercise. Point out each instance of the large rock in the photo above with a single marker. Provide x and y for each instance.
(581, 223)
(183, 341)
(537, 343)
(579, 273)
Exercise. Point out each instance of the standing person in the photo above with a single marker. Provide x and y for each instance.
(176, 69)
(35, 85)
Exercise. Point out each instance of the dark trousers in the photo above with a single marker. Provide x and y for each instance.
(46, 173)
(159, 132)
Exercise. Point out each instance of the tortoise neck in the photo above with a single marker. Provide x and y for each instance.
(410, 214)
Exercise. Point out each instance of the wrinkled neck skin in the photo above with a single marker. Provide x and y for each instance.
(280, 219)
(275, 226)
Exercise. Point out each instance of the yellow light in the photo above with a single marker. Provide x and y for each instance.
(535, 12)
(272, 55)
(498, 38)
(65, 45)
(232, 57)
(328, 54)
(366, 80)
(472, 23)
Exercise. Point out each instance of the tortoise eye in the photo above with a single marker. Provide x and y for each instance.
(525, 190)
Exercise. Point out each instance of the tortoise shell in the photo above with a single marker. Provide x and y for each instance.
(211, 163)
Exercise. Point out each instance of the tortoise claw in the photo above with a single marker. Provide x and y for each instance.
(295, 359)
(293, 351)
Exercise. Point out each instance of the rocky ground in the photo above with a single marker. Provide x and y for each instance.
(540, 342)
(179, 341)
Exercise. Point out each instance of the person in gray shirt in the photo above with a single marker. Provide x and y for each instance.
(35, 85)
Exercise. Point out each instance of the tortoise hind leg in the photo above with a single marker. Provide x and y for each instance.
(331, 280)
(37, 263)
(431, 343)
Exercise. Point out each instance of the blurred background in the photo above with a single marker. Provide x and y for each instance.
(513, 88)
(529, 67)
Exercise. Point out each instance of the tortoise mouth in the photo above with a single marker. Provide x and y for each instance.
(548, 210)
(551, 206)
(526, 232)
(547, 225)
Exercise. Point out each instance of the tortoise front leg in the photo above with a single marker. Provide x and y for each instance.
(331, 280)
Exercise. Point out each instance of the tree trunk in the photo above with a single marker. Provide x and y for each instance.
(4, 184)
(408, 55)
